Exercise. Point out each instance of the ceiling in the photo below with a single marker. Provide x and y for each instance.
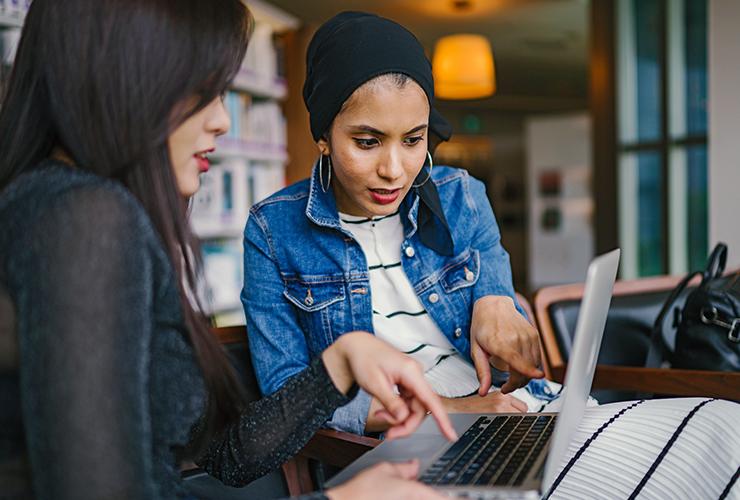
(540, 46)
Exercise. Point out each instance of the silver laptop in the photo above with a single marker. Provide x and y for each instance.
(508, 455)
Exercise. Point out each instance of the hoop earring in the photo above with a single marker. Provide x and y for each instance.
(431, 166)
(321, 173)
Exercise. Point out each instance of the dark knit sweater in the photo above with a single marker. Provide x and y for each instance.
(99, 385)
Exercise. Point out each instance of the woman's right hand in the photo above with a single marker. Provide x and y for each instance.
(493, 402)
(378, 368)
(386, 480)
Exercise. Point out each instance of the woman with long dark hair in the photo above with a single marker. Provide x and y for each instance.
(110, 375)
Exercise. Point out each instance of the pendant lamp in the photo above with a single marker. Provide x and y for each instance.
(463, 67)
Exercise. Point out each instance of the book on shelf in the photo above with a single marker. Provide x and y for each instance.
(12, 14)
(221, 205)
(14, 9)
(9, 39)
(258, 130)
(261, 56)
(228, 190)
(223, 266)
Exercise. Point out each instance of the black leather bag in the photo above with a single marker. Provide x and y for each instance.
(707, 324)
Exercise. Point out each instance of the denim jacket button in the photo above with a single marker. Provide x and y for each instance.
(409, 252)
(308, 301)
(458, 332)
(434, 298)
(469, 276)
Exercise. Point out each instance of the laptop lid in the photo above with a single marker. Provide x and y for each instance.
(592, 315)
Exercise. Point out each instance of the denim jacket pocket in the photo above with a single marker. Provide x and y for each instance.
(462, 272)
(313, 297)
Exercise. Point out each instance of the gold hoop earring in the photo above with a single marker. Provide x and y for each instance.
(431, 166)
(321, 173)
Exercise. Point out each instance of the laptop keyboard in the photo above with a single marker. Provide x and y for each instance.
(496, 450)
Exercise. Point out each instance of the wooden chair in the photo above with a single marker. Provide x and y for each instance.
(635, 305)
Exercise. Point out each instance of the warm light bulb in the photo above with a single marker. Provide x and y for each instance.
(463, 67)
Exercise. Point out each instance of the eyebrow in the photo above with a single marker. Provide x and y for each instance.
(374, 131)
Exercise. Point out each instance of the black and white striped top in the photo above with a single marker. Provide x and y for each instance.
(656, 449)
(399, 317)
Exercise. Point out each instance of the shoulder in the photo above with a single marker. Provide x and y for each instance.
(103, 204)
(289, 199)
(456, 185)
(456, 178)
(57, 200)
(287, 204)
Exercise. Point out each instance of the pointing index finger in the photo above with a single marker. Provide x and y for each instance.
(421, 390)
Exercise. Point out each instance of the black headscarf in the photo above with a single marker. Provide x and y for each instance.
(352, 48)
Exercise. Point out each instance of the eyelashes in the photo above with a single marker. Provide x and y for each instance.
(365, 143)
(368, 143)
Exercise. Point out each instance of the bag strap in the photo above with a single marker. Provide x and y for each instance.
(716, 263)
(657, 351)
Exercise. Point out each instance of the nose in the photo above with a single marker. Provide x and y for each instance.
(391, 166)
(218, 122)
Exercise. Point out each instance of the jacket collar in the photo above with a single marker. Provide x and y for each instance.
(421, 211)
(322, 206)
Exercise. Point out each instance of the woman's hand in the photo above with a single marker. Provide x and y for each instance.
(500, 335)
(386, 480)
(493, 402)
(379, 368)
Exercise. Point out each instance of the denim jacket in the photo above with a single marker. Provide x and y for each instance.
(307, 282)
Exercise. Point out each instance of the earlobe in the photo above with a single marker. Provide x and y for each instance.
(323, 145)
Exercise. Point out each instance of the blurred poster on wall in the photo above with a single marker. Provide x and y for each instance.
(561, 241)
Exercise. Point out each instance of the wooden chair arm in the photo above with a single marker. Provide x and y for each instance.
(337, 448)
(669, 381)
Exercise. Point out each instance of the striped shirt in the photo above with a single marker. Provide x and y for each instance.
(665, 448)
(399, 317)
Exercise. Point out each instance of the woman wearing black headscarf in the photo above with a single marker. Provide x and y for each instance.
(381, 240)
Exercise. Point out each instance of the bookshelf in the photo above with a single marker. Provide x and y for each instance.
(248, 164)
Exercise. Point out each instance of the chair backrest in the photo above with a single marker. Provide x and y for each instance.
(634, 307)
(234, 341)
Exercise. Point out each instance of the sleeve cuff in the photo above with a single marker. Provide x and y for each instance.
(352, 417)
(325, 385)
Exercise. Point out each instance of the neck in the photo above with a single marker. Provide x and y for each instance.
(61, 154)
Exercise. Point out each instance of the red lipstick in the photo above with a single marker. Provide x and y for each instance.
(203, 162)
(384, 196)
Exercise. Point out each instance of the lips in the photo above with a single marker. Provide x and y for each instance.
(384, 196)
(203, 162)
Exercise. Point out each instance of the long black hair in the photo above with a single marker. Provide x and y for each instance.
(107, 81)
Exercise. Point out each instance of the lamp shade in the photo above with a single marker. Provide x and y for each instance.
(463, 67)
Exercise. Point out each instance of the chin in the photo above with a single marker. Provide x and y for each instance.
(189, 187)
(383, 210)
